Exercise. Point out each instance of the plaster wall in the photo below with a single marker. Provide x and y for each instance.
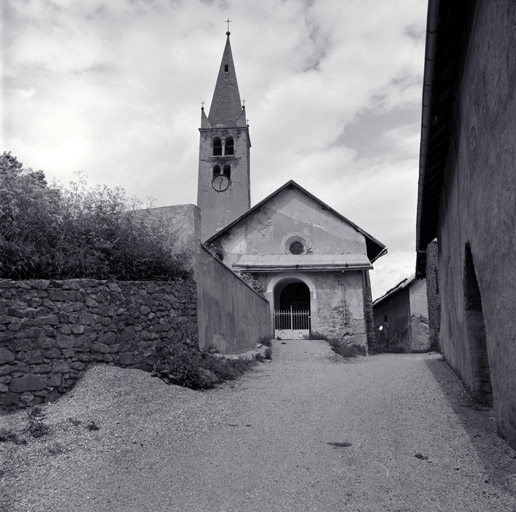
(220, 208)
(232, 316)
(182, 224)
(290, 214)
(336, 302)
(478, 208)
(393, 315)
(419, 338)
(432, 294)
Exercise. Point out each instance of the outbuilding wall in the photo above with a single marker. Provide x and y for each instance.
(478, 215)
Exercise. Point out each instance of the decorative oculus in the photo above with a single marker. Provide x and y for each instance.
(220, 182)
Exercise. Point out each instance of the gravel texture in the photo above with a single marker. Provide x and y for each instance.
(309, 431)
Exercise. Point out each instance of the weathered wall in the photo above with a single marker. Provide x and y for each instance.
(51, 330)
(478, 208)
(336, 302)
(218, 209)
(419, 338)
(232, 316)
(393, 315)
(432, 294)
(182, 223)
(288, 215)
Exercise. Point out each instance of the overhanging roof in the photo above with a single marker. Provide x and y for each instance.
(447, 29)
(400, 286)
(306, 262)
(374, 247)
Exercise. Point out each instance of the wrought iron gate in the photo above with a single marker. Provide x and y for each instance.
(292, 324)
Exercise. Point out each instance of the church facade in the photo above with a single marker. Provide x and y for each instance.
(311, 262)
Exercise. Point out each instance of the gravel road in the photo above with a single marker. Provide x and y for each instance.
(309, 431)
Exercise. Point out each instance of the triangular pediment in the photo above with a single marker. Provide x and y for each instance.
(295, 211)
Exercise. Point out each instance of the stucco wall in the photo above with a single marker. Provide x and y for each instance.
(478, 208)
(218, 209)
(393, 315)
(336, 302)
(432, 294)
(289, 214)
(182, 224)
(232, 316)
(419, 338)
(51, 330)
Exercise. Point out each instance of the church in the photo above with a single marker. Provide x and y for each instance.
(312, 263)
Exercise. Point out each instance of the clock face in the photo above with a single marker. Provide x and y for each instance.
(220, 182)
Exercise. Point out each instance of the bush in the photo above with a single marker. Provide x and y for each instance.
(187, 366)
(76, 232)
(345, 350)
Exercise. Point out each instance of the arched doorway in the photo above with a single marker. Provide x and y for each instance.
(292, 309)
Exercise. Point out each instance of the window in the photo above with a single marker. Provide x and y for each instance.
(216, 171)
(226, 68)
(230, 149)
(217, 146)
(296, 247)
(227, 171)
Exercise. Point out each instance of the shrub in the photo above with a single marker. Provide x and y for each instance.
(77, 232)
(344, 349)
(187, 366)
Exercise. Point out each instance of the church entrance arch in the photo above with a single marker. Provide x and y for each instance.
(292, 309)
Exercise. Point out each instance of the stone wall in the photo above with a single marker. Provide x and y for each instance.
(51, 330)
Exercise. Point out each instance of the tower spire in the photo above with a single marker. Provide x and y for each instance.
(225, 106)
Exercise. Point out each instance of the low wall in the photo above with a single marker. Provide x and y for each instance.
(232, 316)
(51, 330)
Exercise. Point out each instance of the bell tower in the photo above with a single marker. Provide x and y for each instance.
(223, 187)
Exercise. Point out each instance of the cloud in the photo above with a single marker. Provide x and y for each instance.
(332, 90)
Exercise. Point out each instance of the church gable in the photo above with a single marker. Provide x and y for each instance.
(290, 221)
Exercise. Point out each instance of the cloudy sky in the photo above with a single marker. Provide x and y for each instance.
(332, 88)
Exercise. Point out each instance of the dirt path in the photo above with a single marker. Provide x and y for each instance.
(309, 431)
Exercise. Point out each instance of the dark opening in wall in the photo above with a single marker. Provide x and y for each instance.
(217, 146)
(230, 146)
(216, 171)
(226, 68)
(476, 334)
(227, 171)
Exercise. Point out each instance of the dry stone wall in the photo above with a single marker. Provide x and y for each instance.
(50, 331)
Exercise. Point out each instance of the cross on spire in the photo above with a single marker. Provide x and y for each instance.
(228, 21)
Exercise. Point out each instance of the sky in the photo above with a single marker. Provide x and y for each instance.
(332, 88)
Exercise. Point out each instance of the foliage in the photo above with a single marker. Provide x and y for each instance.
(77, 232)
(253, 283)
(187, 366)
(339, 346)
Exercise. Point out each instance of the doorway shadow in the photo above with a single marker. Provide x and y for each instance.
(497, 457)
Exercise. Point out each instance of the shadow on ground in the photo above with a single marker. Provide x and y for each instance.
(497, 457)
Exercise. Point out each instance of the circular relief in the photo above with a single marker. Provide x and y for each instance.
(296, 247)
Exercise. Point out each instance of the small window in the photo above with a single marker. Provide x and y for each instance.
(216, 171)
(217, 146)
(227, 171)
(230, 146)
(226, 68)
(296, 247)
